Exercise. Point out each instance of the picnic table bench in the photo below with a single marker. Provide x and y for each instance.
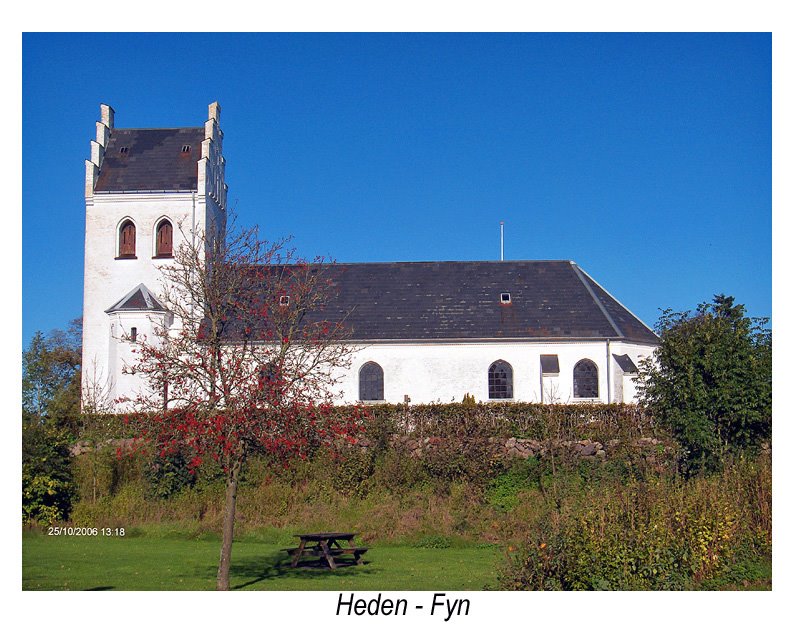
(327, 547)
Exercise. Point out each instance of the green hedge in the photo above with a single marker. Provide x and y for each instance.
(508, 419)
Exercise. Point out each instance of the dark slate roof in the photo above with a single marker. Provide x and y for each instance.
(461, 301)
(139, 298)
(626, 364)
(154, 160)
(625, 322)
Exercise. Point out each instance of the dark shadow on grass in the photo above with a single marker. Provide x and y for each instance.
(100, 588)
(278, 566)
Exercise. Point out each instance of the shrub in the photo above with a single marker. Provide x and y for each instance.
(396, 470)
(47, 482)
(659, 534)
(351, 470)
(711, 383)
(103, 471)
(504, 490)
(169, 474)
(434, 541)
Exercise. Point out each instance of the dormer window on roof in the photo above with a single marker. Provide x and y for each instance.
(185, 149)
(124, 149)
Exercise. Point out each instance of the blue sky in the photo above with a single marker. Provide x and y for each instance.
(645, 158)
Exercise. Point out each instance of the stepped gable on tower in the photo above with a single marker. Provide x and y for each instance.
(140, 160)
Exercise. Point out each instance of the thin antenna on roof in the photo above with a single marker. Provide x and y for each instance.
(502, 240)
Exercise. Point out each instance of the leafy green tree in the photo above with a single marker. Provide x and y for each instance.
(51, 377)
(50, 416)
(711, 381)
(47, 482)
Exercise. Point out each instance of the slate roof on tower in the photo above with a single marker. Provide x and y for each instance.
(159, 159)
(462, 301)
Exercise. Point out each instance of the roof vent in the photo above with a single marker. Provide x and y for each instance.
(504, 298)
(185, 149)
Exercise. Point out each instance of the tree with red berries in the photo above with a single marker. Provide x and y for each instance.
(246, 363)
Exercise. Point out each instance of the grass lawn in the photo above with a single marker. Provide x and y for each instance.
(172, 562)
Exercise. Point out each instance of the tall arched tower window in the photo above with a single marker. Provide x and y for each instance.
(127, 240)
(370, 382)
(164, 237)
(500, 380)
(585, 380)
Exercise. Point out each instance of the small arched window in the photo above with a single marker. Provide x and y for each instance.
(500, 380)
(370, 382)
(270, 383)
(585, 380)
(127, 240)
(164, 239)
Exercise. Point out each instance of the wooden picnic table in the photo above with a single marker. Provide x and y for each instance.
(328, 547)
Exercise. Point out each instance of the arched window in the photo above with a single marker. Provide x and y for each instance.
(585, 380)
(164, 239)
(127, 240)
(500, 380)
(270, 383)
(370, 382)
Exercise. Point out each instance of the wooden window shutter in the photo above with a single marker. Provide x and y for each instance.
(127, 240)
(165, 239)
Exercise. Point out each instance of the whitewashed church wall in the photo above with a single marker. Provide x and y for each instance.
(429, 373)
(445, 372)
(637, 353)
(617, 384)
(629, 389)
(107, 279)
(128, 330)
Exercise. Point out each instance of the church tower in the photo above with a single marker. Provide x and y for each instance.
(146, 191)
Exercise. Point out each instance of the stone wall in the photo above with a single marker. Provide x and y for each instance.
(524, 448)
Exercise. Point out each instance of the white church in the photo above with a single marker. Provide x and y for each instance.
(535, 331)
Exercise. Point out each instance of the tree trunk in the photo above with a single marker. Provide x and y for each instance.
(228, 527)
(93, 475)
